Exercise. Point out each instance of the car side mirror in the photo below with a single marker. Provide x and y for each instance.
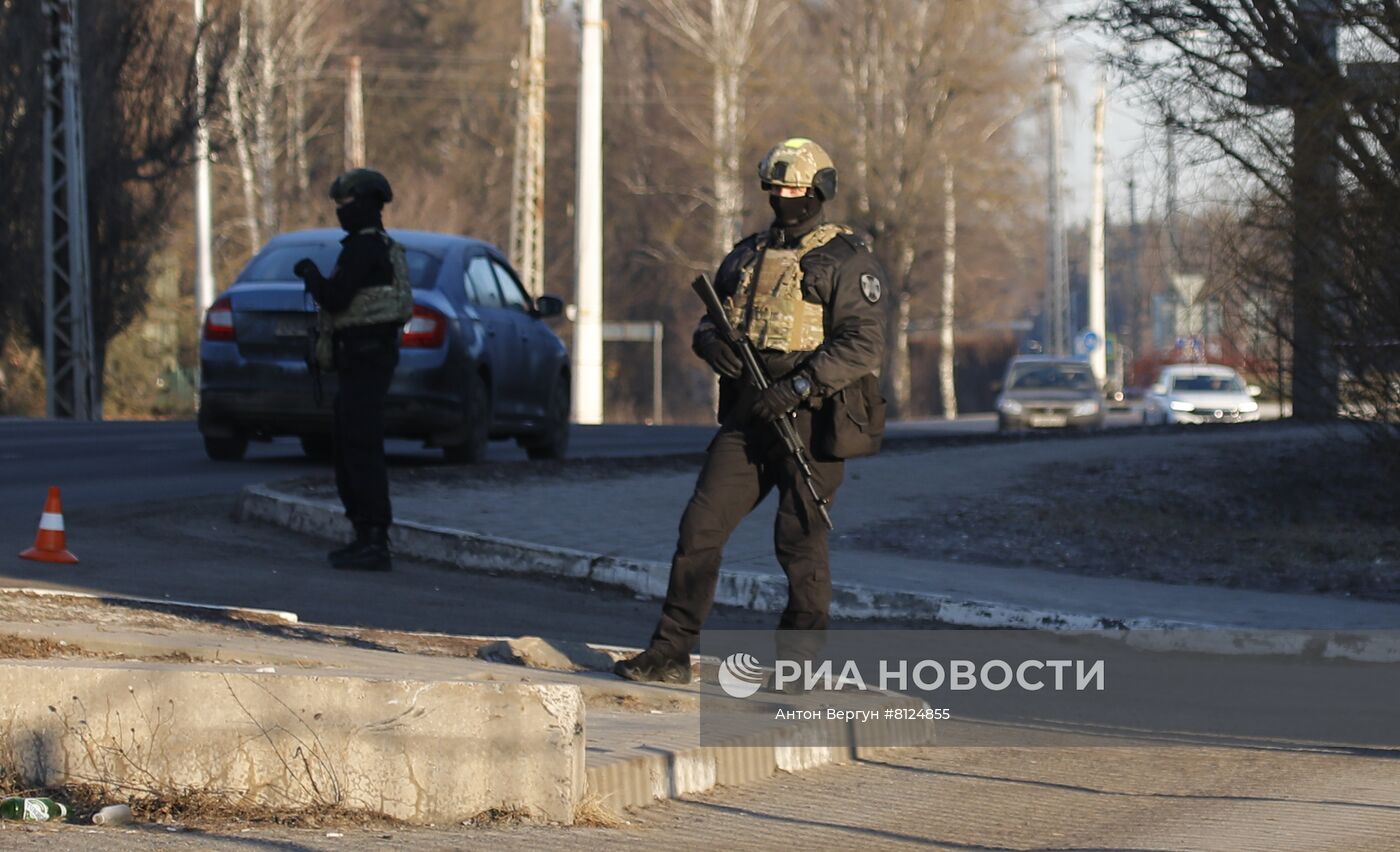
(996, 385)
(1254, 390)
(1159, 388)
(549, 306)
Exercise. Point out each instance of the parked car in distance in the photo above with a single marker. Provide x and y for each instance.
(477, 361)
(1042, 391)
(1199, 393)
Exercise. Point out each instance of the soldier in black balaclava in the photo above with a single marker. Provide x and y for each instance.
(364, 304)
(807, 293)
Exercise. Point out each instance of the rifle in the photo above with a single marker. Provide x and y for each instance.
(759, 378)
(313, 339)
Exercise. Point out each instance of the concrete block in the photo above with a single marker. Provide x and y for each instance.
(536, 653)
(424, 752)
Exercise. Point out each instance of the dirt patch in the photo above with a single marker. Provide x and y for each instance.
(193, 808)
(14, 647)
(1316, 516)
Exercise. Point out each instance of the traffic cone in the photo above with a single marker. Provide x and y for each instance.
(51, 544)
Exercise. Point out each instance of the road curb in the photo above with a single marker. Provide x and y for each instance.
(768, 592)
(641, 781)
(759, 592)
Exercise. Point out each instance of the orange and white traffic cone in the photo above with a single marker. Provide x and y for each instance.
(51, 544)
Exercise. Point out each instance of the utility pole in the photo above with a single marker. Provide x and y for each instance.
(354, 117)
(1314, 89)
(70, 366)
(527, 200)
(1173, 237)
(946, 383)
(1134, 272)
(588, 235)
(1098, 356)
(1057, 284)
(203, 226)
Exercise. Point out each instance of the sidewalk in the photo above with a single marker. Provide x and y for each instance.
(641, 742)
(622, 529)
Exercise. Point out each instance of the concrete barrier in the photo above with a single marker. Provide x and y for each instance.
(423, 752)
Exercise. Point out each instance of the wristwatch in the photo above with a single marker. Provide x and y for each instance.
(802, 385)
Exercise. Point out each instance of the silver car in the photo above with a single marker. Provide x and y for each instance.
(1200, 393)
(1041, 391)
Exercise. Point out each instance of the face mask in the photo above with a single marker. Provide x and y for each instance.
(793, 211)
(358, 215)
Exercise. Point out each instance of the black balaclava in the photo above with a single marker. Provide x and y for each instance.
(366, 211)
(793, 212)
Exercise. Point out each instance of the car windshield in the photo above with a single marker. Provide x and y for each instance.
(275, 263)
(1051, 377)
(1217, 382)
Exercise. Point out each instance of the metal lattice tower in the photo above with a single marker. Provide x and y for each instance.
(527, 197)
(1057, 307)
(69, 352)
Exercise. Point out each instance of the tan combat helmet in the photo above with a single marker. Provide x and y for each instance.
(800, 163)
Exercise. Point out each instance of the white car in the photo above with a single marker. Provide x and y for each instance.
(1200, 393)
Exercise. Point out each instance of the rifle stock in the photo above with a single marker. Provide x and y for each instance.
(757, 376)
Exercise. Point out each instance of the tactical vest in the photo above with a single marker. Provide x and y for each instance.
(389, 303)
(768, 306)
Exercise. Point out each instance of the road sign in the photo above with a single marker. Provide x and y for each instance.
(1088, 342)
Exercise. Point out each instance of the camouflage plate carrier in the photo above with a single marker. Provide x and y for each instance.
(771, 310)
(390, 303)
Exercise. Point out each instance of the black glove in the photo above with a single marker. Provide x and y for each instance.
(721, 357)
(305, 268)
(780, 398)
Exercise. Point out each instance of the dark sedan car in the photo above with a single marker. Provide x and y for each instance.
(477, 360)
(1045, 392)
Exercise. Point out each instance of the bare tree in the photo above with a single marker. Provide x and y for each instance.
(1317, 193)
(726, 35)
(920, 80)
(281, 46)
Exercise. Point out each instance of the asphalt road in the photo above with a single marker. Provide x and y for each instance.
(149, 515)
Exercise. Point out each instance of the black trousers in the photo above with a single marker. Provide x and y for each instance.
(742, 466)
(364, 367)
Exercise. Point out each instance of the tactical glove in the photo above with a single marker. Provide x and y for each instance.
(305, 268)
(721, 357)
(779, 398)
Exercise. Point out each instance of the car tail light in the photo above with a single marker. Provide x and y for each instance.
(426, 330)
(218, 321)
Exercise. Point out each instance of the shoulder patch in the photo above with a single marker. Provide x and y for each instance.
(870, 288)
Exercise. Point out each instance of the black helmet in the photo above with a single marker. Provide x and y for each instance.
(360, 183)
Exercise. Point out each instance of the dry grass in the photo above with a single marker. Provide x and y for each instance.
(593, 812)
(500, 818)
(14, 647)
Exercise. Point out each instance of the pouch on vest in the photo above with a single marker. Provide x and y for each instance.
(853, 420)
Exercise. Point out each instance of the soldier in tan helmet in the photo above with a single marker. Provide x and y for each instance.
(807, 293)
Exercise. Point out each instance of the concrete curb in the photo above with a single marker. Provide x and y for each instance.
(643, 781)
(768, 592)
(238, 611)
(760, 592)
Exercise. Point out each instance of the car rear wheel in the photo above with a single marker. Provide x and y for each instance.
(473, 449)
(226, 449)
(554, 443)
(318, 447)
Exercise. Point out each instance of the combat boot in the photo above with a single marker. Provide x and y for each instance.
(372, 556)
(654, 666)
(361, 538)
